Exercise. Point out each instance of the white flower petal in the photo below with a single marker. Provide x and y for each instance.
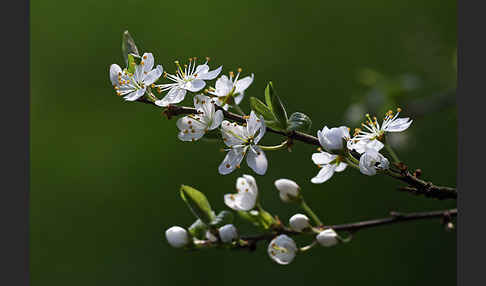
(201, 69)
(324, 174)
(195, 85)
(115, 70)
(253, 123)
(175, 95)
(233, 134)
(148, 62)
(210, 75)
(242, 84)
(191, 128)
(232, 160)
(257, 160)
(398, 125)
(135, 95)
(217, 119)
(323, 158)
(341, 167)
(153, 76)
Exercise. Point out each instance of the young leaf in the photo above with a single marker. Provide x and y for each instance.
(276, 105)
(198, 229)
(128, 46)
(261, 109)
(299, 122)
(224, 217)
(198, 204)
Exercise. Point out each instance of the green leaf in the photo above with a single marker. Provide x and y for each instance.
(298, 121)
(198, 229)
(268, 95)
(128, 46)
(274, 125)
(224, 217)
(276, 105)
(198, 204)
(261, 109)
(263, 219)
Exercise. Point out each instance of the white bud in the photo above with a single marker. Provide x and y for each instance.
(332, 139)
(327, 238)
(228, 233)
(299, 222)
(282, 249)
(177, 236)
(288, 189)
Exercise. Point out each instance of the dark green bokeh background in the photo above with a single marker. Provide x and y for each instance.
(105, 173)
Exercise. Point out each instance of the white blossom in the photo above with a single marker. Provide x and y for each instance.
(229, 89)
(374, 132)
(228, 233)
(299, 222)
(194, 126)
(242, 141)
(332, 140)
(191, 78)
(288, 189)
(246, 196)
(133, 86)
(282, 249)
(177, 236)
(328, 164)
(327, 237)
(371, 161)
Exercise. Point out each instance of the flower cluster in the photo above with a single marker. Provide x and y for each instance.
(241, 135)
(338, 146)
(282, 248)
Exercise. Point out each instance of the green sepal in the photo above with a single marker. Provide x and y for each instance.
(276, 105)
(128, 46)
(198, 229)
(223, 218)
(198, 204)
(298, 121)
(261, 109)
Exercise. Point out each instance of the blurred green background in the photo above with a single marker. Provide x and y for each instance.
(105, 173)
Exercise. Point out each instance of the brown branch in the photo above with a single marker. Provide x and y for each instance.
(415, 185)
(174, 110)
(395, 217)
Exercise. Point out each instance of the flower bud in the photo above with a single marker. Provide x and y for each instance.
(333, 139)
(327, 238)
(371, 161)
(177, 236)
(228, 233)
(289, 190)
(299, 222)
(282, 249)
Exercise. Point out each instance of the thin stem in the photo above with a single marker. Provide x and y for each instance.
(392, 153)
(351, 163)
(281, 146)
(395, 217)
(310, 212)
